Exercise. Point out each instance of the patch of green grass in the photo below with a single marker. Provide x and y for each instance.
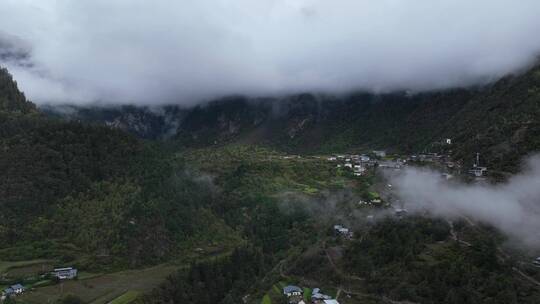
(42, 283)
(307, 294)
(373, 195)
(310, 190)
(282, 284)
(83, 275)
(266, 299)
(126, 298)
(6, 265)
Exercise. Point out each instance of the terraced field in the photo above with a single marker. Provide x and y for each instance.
(120, 287)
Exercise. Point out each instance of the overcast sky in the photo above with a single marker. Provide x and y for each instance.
(125, 51)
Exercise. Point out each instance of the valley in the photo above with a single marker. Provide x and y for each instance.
(269, 152)
(237, 199)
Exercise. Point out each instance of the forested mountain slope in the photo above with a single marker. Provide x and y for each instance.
(83, 192)
(500, 120)
(11, 99)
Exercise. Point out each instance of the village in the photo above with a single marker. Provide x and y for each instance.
(382, 198)
(359, 164)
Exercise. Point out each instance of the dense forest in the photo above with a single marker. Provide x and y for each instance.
(221, 281)
(409, 260)
(67, 188)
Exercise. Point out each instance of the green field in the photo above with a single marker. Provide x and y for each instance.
(119, 287)
(126, 298)
(307, 294)
(266, 299)
(7, 265)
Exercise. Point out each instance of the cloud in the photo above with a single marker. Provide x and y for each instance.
(151, 52)
(513, 207)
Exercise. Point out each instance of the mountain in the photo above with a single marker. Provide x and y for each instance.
(144, 122)
(91, 195)
(11, 99)
(499, 120)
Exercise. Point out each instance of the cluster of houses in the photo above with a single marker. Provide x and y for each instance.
(359, 163)
(433, 158)
(396, 164)
(476, 171)
(66, 273)
(356, 163)
(295, 295)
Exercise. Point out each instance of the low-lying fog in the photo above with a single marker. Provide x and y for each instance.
(512, 207)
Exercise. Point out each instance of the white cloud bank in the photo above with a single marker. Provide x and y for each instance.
(513, 207)
(184, 51)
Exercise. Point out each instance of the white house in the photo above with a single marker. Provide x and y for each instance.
(359, 168)
(292, 290)
(18, 288)
(13, 290)
(478, 171)
(66, 273)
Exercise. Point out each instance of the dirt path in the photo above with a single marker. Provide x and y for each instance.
(454, 235)
(526, 277)
(338, 293)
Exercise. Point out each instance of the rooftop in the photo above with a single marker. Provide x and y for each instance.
(63, 269)
(292, 288)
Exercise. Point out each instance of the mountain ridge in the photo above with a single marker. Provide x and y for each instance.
(493, 120)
